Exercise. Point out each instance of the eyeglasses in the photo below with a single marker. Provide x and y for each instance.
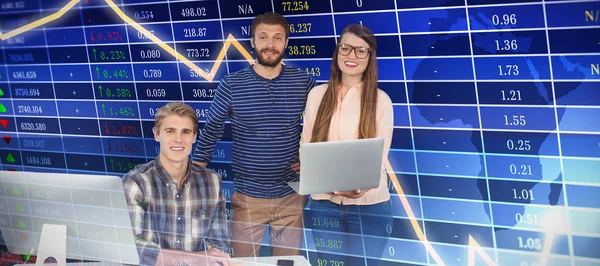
(360, 52)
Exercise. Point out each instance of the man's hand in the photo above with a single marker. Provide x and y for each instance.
(218, 257)
(200, 164)
(353, 194)
(211, 257)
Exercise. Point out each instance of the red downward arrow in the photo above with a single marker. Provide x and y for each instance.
(4, 122)
(24, 238)
(6, 139)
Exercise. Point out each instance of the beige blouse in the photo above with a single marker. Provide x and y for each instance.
(344, 126)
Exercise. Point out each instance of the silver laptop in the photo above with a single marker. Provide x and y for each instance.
(339, 166)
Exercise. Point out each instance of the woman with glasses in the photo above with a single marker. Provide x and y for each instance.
(350, 226)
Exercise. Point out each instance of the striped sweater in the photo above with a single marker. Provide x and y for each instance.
(265, 117)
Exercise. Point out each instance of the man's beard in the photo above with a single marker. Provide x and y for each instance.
(263, 61)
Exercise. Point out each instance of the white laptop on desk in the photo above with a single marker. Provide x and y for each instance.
(339, 166)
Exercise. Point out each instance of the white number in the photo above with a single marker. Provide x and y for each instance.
(150, 54)
(30, 143)
(197, 53)
(507, 45)
(511, 70)
(193, 12)
(152, 73)
(142, 36)
(530, 243)
(203, 93)
(156, 93)
(506, 19)
(388, 228)
(512, 95)
(157, 149)
(194, 74)
(226, 192)
(152, 111)
(359, 3)
(526, 219)
(515, 120)
(222, 172)
(142, 15)
(522, 145)
(522, 170)
(33, 126)
(193, 32)
(202, 112)
(525, 194)
(220, 153)
(392, 251)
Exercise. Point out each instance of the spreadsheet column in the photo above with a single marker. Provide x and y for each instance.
(574, 41)
(36, 121)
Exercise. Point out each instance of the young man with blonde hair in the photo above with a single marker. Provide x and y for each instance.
(177, 208)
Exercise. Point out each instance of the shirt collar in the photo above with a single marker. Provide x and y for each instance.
(165, 177)
(259, 77)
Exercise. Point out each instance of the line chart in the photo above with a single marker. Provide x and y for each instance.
(473, 245)
(208, 76)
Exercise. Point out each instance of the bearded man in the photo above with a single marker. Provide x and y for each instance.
(264, 103)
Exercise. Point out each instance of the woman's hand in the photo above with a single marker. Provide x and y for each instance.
(296, 167)
(353, 194)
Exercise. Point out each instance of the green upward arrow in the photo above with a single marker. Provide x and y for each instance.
(19, 208)
(2, 108)
(1, 92)
(22, 224)
(16, 192)
(10, 158)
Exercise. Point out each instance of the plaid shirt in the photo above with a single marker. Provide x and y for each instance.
(190, 219)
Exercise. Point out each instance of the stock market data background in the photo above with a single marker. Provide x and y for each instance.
(496, 144)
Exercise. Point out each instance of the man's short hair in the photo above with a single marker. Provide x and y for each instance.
(178, 109)
(270, 18)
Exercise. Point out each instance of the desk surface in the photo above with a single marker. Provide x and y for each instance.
(269, 261)
(245, 261)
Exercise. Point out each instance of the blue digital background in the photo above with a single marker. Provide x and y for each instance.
(496, 107)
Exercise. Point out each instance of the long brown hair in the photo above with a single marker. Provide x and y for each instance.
(367, 127)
